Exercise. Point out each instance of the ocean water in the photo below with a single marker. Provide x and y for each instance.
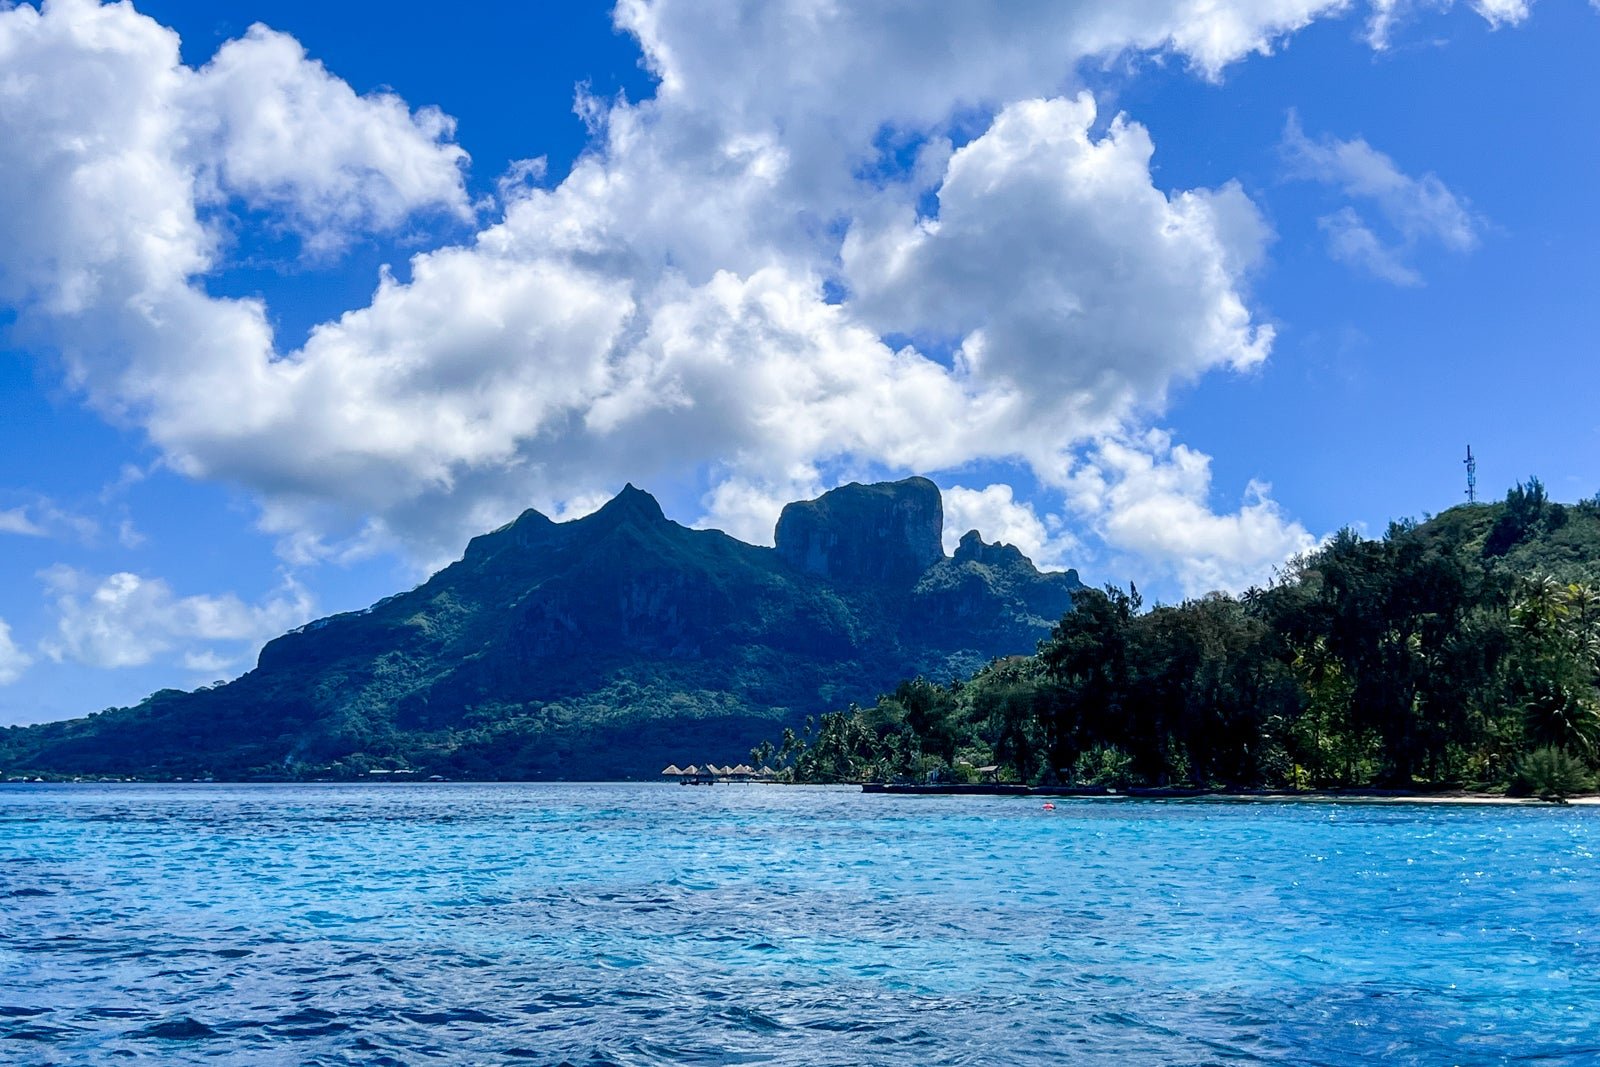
(645, 924)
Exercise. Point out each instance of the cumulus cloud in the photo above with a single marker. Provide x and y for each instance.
(1065, 271)
(668, 309)
(128, 620)
(13, 661)
(275, 129)
(793, 52)
(1149, 499)
(114, 148)
(1417, 211)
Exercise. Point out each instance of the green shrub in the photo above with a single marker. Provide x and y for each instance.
(1551, 774)
(1104, 765)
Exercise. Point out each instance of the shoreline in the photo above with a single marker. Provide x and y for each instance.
(1350, 796)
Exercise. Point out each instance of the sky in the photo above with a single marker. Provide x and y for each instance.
(296, 298)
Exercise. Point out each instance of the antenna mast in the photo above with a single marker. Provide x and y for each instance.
(1472, 477)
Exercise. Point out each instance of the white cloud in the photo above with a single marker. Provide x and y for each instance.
(126, 620)
(1503, 12)
(45, 518)
(786, 57)
(997, 515)
(274, 128)
(1350, 241)
(1065, 271)
(16, 521)
(113, 147)
(207, 662)
(128, 535)
(657, 313)
(1419, 211)
(13, 661)
(1388, 14)
(1420, 208)
(1149, 499)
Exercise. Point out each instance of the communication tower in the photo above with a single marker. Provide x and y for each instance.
(1472, 477)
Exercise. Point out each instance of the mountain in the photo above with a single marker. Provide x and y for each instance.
(603, 647)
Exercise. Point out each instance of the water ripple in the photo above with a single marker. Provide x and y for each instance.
(643, 925)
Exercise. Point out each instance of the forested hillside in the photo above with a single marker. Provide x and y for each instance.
(1462, 651)
(604, 647)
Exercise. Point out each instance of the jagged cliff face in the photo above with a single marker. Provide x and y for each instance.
(603, 647)
(889, 532)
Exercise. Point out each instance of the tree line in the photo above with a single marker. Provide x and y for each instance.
(1460, 652)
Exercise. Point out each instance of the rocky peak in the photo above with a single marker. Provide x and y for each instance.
(972, 549)
(527, 530)
(631, 503)
(889, 531)
(532, 529)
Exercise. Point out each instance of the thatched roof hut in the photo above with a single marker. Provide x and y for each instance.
(672, 771)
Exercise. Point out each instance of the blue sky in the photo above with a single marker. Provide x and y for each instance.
(1159, 290)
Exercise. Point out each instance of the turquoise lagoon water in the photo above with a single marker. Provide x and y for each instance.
(617, 924)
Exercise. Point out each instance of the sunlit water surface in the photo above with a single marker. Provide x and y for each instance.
(766, 925)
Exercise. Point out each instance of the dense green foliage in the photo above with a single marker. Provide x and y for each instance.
(1552, 774)
(1464, 651)
(605, 647)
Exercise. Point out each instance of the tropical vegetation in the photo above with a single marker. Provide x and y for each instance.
(1463, 652)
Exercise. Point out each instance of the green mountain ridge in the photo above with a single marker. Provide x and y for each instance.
(603, 647)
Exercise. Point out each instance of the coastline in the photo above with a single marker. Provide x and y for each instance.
(1242, 796)
(1353, 796)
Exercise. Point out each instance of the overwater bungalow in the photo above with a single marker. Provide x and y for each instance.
(692, 775)
(710, 773)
